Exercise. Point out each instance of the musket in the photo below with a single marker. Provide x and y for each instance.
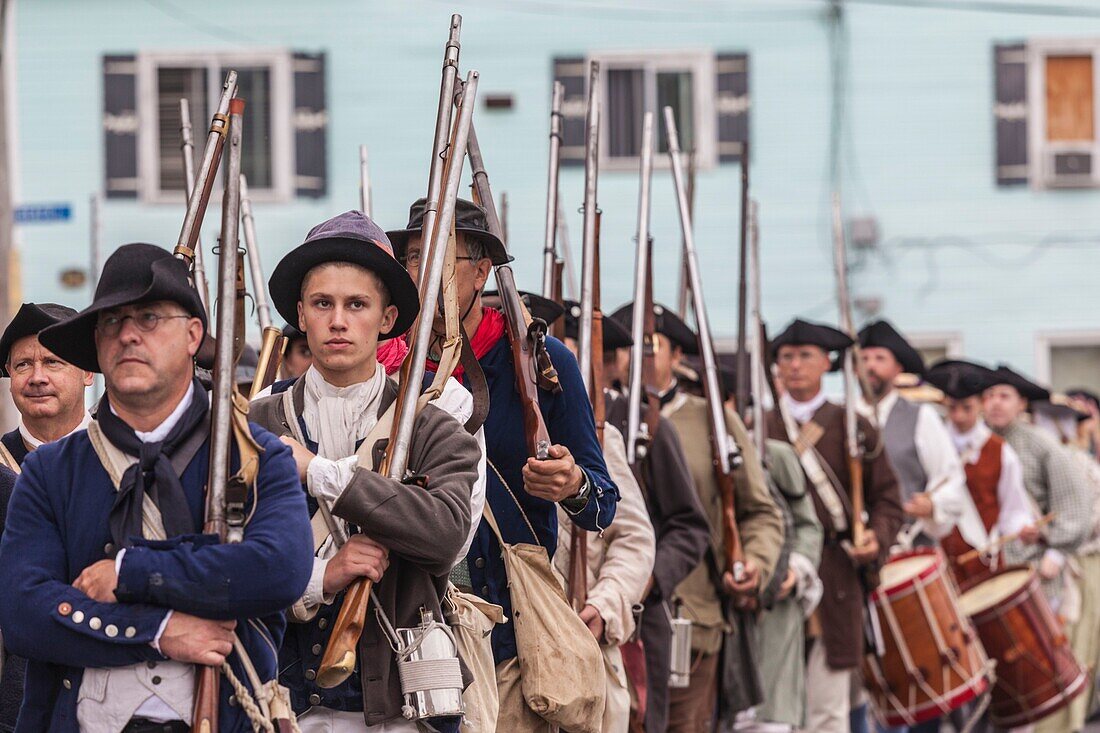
(685, 286)
(759, 342)
(526, 340)
(504, 214)
(742, 387)
(852, 388)
(724, 450)
(569, 277)
(641, 429)
(272, 341)
(442, 135)
(227, 350)
(188, 149)
(550, 251)
(338, 661)
(364, 181)
(199, 197)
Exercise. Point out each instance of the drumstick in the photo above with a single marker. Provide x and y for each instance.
(1001, 541)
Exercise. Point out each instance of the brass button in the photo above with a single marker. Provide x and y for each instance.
(94, 624)
(479, 563)
(315, 699)
(232, 701)
(78, 617)
(322, 624)
(109, 549)
(316, 649)
(311, 674)
(111, 630)
(68, 685)
(65, 609)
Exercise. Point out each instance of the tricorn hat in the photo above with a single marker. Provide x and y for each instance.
(29, 321)
(470, 219)
(959, 379)
(350, 237)
(667, 323)
(135, 273)
(801, 332)
(538, 306)
(883, 335)
(1028, 389)
(615, 336)
(292, 334)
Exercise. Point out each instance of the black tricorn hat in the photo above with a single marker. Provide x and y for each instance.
(801, 332)
(1028, 389)
(883, 335)
(292, 334)
(667, 323)
(350, 237)
(1081, 393)
(959, 379)
(537, 306)
(29, 321)
(470, 219)
(135, 273)
(614, 335)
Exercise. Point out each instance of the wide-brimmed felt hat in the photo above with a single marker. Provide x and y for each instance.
(800, 332)
(350, 237)
(1081, 393)
(615, 336)
(883, 335)
(959, 379)
(538, 306)
(1061, 405)
(666, 323)
(29, 321)
(135, 273)
(1028, 389)
(292, 334)
(470, 219)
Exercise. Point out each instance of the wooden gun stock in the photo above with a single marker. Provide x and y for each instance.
(205, 715)
(343, 643)
(855, 474)
(731, 535)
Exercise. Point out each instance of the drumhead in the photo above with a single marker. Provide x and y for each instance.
(898, 571)
(994, 591)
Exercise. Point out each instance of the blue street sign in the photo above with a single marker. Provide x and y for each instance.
(42, 213)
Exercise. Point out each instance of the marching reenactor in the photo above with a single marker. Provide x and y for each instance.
(348, 293)
(802, 355)
(47, 391)
(702, 594)
(111, 592)
(1054, 481)
(296, 357)
(522, 492)
(931, 479)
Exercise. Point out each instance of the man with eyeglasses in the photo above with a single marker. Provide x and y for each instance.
(111, 589)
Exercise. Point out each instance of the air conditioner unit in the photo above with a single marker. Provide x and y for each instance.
(1067, 165)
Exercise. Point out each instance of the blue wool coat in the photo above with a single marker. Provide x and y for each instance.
(570, 422)
(58, 525)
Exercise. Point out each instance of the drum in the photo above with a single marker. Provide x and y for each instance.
(1037, 673)
(932, 662)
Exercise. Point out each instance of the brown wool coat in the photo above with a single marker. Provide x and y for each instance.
(841, 610)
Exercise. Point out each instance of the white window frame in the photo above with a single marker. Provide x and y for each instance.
(1040, 150)
(1046, 341)
(282, 118)
(700, 62)
(951, 341)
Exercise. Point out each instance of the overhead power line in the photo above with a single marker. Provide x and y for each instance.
(1009, 8)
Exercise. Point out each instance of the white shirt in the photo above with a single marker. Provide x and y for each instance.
(946, 479)
(1016, 510)
(33, 442)
(803, 412)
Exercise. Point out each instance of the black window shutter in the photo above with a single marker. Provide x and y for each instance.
(310, 125)
(572, 72)
(120, 126)
(1010, 112)
(731, 103)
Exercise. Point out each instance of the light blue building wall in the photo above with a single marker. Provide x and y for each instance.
(993, 268)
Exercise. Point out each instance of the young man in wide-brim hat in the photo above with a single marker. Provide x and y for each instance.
(346, 292)
(803, 357)
(111, 589)
(521, 490)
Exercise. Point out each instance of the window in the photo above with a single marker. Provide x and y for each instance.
(1069, 359)
(937, 346)
(707, 92)
(264, 81)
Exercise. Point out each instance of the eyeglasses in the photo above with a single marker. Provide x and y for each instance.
(412, 259)
(146, 321)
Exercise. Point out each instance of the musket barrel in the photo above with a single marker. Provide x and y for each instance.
(255, 265)
(759, 359)
(442, 135)
(588, 251)
(187, 146)
(641, 272)
(710, 371)
(741, 389)
(430, 285)
(364, 181)
(550, 254)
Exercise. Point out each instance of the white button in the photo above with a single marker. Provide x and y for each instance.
(94, 623)
(130, 632)
(111, 630)
(78, 617)
(67, 684)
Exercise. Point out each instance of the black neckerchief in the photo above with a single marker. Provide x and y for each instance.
(153, 474)
(670, 394)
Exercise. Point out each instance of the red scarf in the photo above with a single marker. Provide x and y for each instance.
(488, 333)
(392, 353)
